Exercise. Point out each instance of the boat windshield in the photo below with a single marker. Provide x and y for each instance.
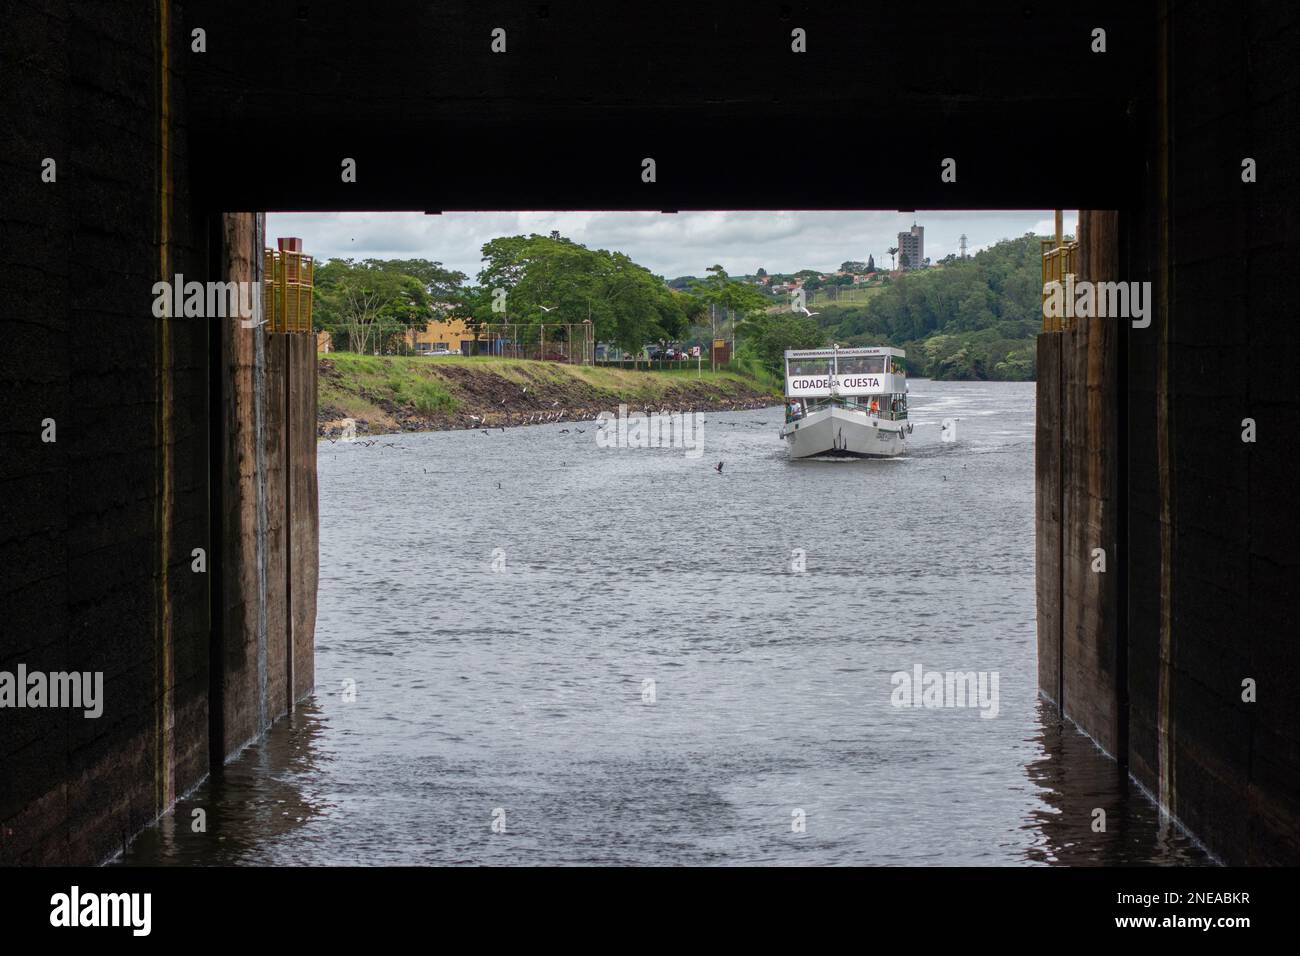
(808, 366)
(861, 364)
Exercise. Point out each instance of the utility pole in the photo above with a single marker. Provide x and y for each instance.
(713, 321)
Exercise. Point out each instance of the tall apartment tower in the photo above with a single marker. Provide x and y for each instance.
(911, 248)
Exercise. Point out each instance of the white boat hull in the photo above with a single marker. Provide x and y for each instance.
(844, 433)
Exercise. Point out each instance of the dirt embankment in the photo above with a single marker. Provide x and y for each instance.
(385, 395)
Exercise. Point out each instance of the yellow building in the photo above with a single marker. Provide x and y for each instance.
(442, 335)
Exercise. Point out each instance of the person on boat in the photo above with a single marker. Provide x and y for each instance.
(875, 408)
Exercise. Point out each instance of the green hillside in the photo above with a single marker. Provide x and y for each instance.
(966, 319)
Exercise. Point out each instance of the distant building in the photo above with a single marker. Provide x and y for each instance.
(911, 248)
(442, 335)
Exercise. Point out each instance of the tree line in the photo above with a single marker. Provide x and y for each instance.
(525, 280)
(972, 318)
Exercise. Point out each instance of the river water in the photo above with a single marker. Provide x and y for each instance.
(534, 650)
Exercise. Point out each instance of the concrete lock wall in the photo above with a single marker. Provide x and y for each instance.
(99, 526)
(1153, 657)
(265, 632)
(1080, 662)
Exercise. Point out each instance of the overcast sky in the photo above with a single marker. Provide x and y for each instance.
(671, 245)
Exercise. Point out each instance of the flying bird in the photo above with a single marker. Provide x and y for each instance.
(545, 309)
(804, 310)
(718, 467)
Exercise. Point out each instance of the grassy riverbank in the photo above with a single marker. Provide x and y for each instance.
(419, 393)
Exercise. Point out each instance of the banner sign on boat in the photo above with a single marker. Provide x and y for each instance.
(865, 383)
(843, 353)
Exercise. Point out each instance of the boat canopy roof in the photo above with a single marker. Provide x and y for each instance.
(829, 353)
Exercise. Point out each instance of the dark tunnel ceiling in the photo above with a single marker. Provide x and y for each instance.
(731, 116)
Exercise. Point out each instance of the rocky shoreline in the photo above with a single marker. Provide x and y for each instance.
(483, 398)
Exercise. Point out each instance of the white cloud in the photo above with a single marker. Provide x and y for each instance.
(669, 244)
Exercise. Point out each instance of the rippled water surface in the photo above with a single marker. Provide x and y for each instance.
(520, 695)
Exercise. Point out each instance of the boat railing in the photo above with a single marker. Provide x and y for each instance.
(817, 405)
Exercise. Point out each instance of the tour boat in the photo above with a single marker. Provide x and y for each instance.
(845, 403)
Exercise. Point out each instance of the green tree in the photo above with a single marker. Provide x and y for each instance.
(555, 280)
(768, 336)
(726, 293)
(372, 303)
